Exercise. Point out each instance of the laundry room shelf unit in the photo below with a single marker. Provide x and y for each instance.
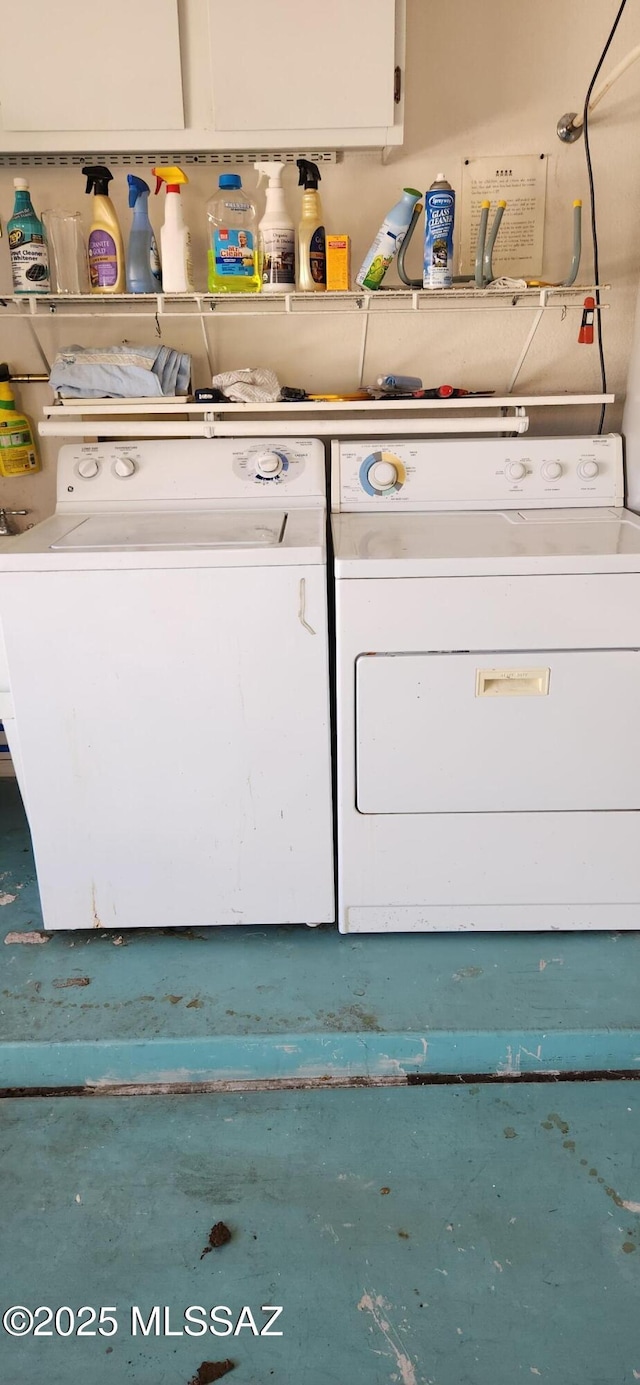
(38, 309)
(178, 418)
(465, 297)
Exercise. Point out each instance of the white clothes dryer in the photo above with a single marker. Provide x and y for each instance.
(488, 685)
(165, 687)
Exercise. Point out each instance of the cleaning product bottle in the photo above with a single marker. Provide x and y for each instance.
(175, 239)
(233, 239)
(388, 240)
(27, 244)
(18, 452)
(312, 258)
(106, 247)
(143, 260)
(439, 215)
(276, 233)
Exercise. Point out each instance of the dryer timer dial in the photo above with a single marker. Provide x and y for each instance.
(382, 475)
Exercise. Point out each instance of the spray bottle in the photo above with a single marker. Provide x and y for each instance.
(276, 233)
(106, 247)
(312, 261)
(439, 214)
(175, 241)
(388, 240)
(18, 452)
(27, 244)
(143, 261)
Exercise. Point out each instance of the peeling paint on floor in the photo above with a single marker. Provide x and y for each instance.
(378, 1308)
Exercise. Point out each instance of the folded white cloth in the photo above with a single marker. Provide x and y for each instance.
(504, 282)
(248, 386)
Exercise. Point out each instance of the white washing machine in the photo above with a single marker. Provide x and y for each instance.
(165, 687)
(488, 685)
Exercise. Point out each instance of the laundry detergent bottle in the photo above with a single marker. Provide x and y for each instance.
(233, 239)
(312, 256)
(18, 451)
(27, 244)
(143, 260)
(175, 239)
(106, 246)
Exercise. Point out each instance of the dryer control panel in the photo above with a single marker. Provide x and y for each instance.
(478, 473)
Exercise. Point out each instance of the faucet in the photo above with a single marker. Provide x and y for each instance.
(6, 527)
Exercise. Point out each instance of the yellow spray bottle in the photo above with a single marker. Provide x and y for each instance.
(175, 241)
(18, 452)
(106, 247)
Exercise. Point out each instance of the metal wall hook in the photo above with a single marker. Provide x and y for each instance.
(567, 130)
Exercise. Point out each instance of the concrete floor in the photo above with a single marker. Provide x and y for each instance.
(461, 1234)
(416, 1236)
(231, 1004)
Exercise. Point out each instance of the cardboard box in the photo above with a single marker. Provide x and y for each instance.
(338, 250)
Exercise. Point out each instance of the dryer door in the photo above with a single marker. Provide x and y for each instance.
(492, 732)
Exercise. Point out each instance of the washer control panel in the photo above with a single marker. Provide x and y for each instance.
(478, 473)
(188, 472)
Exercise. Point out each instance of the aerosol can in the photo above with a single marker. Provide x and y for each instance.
(439, 214)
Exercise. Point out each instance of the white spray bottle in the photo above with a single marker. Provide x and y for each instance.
(276, 233)
(175, 241)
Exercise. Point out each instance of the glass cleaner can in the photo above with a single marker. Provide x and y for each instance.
(439, 216)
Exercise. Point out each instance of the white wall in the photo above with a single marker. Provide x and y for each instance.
(483, 77)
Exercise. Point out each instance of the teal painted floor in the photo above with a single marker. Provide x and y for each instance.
(413, 1236)
(229, 1004)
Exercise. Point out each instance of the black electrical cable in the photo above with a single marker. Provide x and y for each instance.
(592, 202)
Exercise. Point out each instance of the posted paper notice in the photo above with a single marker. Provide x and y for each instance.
(520, 181)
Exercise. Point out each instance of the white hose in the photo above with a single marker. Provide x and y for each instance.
(602, 90)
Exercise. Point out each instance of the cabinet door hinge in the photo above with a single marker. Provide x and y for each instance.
(397, 85)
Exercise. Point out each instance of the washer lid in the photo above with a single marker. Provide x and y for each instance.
(486, 542)
(216, 529)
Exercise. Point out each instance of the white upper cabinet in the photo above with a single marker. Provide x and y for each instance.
(181, 75)
(327, 73)
(114, 67)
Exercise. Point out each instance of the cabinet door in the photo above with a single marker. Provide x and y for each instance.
(91, 68)
(278, 65)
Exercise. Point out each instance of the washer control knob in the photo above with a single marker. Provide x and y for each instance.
(268, 464)
(87, 467)
(587, 470)
(124, 466)
(551, 470)
(383, 475)
(514, 471)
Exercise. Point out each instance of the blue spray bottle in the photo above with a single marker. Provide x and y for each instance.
(143, 261)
